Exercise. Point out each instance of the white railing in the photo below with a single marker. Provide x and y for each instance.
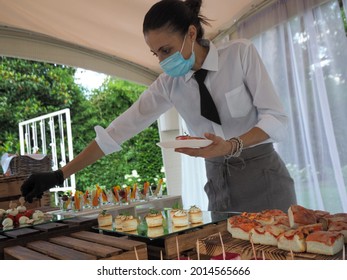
(43, 134)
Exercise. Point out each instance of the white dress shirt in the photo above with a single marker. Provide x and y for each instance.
(240, 87)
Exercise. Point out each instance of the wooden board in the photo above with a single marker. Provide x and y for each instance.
(99, 250)
(3, 238)
(80, 220)
(81, 245)
(21, 232)
(51, 226)
(59, 252)
(109, 240)
(23, 253)
(211, 246)
(131, 249)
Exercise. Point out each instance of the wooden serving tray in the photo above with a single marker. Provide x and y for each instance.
(81, 245)
(211, 246)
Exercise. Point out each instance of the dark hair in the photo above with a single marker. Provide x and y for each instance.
(177, 15)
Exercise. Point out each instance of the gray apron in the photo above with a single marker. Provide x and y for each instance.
(255, 181)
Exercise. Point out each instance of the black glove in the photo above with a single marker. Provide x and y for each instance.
(37, 183)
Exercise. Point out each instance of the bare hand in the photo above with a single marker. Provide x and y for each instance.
(218, 147)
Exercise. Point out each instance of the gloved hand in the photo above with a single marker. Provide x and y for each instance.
(37, 183)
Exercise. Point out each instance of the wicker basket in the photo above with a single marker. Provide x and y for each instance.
(25, 165)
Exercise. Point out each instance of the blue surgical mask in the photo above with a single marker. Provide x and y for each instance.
(176, 65)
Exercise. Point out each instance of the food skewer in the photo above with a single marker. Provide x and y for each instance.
(197, 249)
(253, 248)
(177, 248)
(223, 249)
(137, 256)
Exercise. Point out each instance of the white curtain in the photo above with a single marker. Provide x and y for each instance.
(303, 45)
(193, 178)
(304, 52)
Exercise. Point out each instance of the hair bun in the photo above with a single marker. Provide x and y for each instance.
(194, 6)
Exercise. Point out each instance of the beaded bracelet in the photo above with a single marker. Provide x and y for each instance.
(236, 147)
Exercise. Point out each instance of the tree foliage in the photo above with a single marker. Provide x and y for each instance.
(29, 89)
(139, 153)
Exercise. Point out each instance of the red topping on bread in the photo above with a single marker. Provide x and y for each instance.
(187, 137)
(299, 215)
(326, 237)
(273, 212)
(337, 226)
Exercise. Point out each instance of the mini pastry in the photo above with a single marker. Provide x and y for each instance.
(175, 208)
(180, 218)
(21, 208)
(38, 215)
(12, 211)
(104, 219)
(7, 223)
(173, 211)
(195, 215)
(24, 221)
(154, 218)
(118, 221)
(129, 223)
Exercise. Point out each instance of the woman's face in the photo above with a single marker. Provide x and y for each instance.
(163, 43)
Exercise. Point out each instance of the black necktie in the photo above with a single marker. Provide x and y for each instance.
(207, 106)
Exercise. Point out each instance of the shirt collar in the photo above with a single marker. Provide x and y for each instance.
(210, 63)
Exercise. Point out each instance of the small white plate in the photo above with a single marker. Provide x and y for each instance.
(194, 143)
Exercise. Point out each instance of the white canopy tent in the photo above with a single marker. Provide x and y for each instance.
(105, 36)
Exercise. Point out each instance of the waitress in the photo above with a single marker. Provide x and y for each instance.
(224, 94)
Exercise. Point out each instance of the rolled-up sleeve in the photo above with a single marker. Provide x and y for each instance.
(106, 143)
(146, 110)
(275, 127)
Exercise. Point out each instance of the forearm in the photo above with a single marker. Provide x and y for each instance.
(236, 144)
(254, 136)
(87, 157)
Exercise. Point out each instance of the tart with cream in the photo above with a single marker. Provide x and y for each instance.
(180, 219)
(104, 219)
(118, 221)
(195, 215)
(129, 223)
(154, 218)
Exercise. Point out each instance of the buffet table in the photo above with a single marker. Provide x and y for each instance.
(57, 235)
